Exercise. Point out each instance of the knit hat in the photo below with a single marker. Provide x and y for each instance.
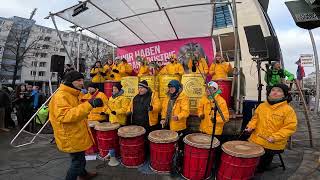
(175, 83)
(93, 85)
(72, 76)
(213, 84)
(284, 88)
(117, 85)
(144, 84)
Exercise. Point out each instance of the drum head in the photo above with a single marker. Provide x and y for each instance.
(92, 124)
(131, 131)
(200, 140)
(163, 136)
(242, 149)
(106, 126)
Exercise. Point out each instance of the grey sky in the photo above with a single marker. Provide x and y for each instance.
(293, 40)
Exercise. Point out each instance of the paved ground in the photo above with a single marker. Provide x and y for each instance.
(42, 161)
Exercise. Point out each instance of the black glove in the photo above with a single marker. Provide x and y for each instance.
(194, 68)
(201, 116)
(112, 76)
(129, 114)
(102, 113)
(97, 102)
(113, 112)
(115, 71)
(150, 108)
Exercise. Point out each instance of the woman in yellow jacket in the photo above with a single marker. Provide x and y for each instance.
(206, 110)
(118, 105)
(198, 66)
(68, 119)
(273, 122)
(99, 113)
(115, 74)
(108, 69)
(144, 108)
(174, 67)
(220, 69)
(125, 68)
(98, 73)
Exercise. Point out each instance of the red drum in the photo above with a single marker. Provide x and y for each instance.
(94, 148)
(107, 138)
(225, 85)
(239, 160)
(108, 87)
(132, 146)
(196, 153)
(162, 149)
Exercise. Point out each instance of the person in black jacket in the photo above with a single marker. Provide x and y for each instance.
(23, 104)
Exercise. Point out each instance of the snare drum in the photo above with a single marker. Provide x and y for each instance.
(162, 149)
(239, 160)
(196, 153)
(132, 145)
(107, 138)
(94, 148)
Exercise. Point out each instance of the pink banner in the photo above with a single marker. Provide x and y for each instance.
(160, 51)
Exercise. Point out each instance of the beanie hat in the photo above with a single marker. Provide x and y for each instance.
(284, 88)
(93, 85)
(72, 76)
(175, 83)
(144, 84)
(117, 85)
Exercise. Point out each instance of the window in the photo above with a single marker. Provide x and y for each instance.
(42, 64)
(33, 73)
(34, 63)
(65, 35)
(56, 49)
(47, 38)
(37, 54)
(41, 73)
(43, 55)
(222, 16)
(40, 37)
(45, 46)
(62, 50)
(65, 42)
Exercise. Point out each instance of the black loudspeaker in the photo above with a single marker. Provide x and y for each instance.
(57, 63)
(82, 64)
(256, 42)
(273, 48)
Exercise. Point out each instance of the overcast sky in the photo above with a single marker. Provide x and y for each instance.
(293, 40)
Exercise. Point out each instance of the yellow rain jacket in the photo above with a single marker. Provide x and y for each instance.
(220, 70)
(117, 76)
(144, 70)
(95, 112)
(108, 70)
(153, 115)
(180, 109)
(172, 68)
(277, 121)
(98, 75)
(120, 105)
(125, 69)
(68, 119)
(201, 65)
(204, 108)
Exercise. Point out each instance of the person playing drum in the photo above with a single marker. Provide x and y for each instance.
(198, 64)
(108, 68)
(99, 113)
(220, 69)
(273, 122)
(115, 72)
(125, 68)
(174, 67)
(144, 108)
(206, 109)
(98, 73)
(117, 105)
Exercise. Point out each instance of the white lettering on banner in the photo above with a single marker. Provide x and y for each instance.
(307, 60)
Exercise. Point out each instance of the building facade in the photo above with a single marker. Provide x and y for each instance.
(44, 42)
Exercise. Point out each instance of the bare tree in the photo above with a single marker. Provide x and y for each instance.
(19, 47)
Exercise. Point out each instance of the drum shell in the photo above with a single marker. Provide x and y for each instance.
(132, 151)
(94, 148)
(161, 156)
(108, 88)
(108, 140)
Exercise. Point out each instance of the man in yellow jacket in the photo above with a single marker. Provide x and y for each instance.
(98, 73)
(125, 68)
(144, 69)
(68, 119)
(198, 64)
(115, 74)
(98, 113)
(273, 122)
(108, 69)
(206, 110)
(118, 105)
(220, 69)
(144, 108)
(174, 67)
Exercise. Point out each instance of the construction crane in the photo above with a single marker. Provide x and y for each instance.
(33, 13)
